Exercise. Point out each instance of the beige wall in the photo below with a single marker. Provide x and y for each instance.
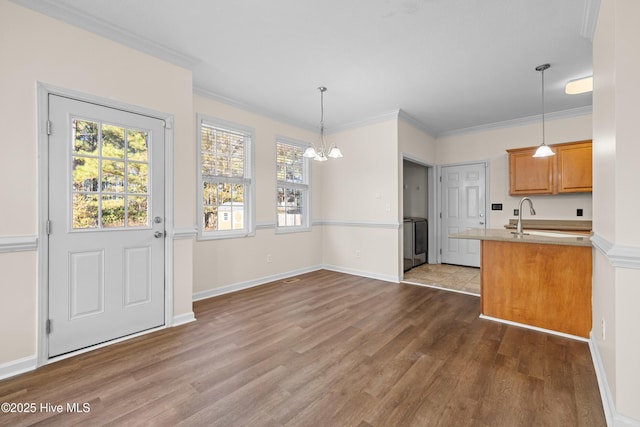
(34, 49)
(490, 145)
(616, 275)
(226, 264)
(360, 202)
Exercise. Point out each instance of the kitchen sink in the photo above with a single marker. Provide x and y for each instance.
(552, 234)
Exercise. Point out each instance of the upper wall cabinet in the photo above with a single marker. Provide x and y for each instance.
(574, 167)
(569, 171)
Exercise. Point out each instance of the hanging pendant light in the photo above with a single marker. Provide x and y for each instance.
(320, 153)
(543, 150)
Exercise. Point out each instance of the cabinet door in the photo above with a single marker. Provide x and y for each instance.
(530, 175)
(574, 167)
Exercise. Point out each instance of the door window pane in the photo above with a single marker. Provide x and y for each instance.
(85, 138)
(137, 212)
(110, 180)
(112, 176)
(137, 145)
(138, 179)
(85, 211)
(112, 141)
(112, 211)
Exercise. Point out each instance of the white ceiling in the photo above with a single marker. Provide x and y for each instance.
(448, 64)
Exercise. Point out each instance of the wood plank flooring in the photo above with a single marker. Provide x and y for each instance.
(328, 349)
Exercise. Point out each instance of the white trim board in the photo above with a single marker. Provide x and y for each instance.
(608, 404)
(18, 243)
(18, 366)
(618, 255)
(235, 287)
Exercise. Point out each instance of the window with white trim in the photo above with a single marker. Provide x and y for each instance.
(225, 170)
(293, 189)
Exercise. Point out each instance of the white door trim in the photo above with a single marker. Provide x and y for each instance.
(43, 92)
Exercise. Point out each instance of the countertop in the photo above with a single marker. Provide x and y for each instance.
(552, 224)
(501, 235)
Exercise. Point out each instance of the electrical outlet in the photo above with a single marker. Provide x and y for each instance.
(269, 259)
(357, 253)
(516, 212)
(579, 212)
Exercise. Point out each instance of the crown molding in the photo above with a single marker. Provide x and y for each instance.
(590, 19)
(380, 118)
(112, 32)
(564, 114)
(205, 93)
(407, 118)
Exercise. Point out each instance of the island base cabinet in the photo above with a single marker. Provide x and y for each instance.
(547, 286)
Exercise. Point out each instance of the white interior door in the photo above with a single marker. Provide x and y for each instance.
(106, 233)
(463, 208)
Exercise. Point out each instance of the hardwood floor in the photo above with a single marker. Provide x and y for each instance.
(328, 349)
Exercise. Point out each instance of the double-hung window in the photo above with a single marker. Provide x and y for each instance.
(225, 172)
(293, 188)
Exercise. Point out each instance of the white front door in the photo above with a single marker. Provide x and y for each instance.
(463, 208)
(106, 232)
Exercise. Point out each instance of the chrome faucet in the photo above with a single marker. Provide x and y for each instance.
(531, 210)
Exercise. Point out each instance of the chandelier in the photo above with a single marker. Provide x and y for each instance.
(320, 153)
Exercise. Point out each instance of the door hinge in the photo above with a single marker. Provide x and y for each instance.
(48, 127)
(440, 251)
(440, 215)
(440, 178)
(48, 227)
(48, 326)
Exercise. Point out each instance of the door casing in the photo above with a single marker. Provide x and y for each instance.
(43, 92)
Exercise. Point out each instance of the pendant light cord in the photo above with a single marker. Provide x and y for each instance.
(543, 106)
(322, 89)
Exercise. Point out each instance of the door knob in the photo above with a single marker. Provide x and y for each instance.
(158, 234)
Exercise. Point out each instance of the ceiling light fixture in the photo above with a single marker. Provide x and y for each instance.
(320, 153)
(543, 150)
(578, 86)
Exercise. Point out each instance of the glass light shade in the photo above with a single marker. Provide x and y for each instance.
(310, 152)
(320, 158)
(335, 153)
(543, 151)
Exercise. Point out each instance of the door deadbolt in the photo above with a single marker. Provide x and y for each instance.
(158, 234)
(157, 220)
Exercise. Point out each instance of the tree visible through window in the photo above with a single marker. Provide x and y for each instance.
(110, 176)
(293, 185)
(225, 178)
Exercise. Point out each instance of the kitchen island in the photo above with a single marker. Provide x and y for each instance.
(541, 279)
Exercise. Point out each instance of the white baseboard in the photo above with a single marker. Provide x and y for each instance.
(534, 328)
(384, 277)
(614, 419)
(268, 279)
(19, 366)
(210, 293)
(181, 319)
